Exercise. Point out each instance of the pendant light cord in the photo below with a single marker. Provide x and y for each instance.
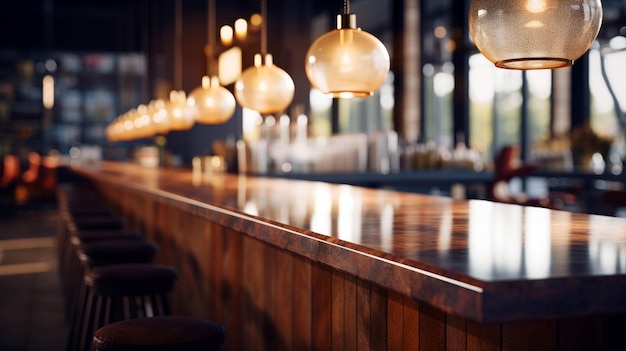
(210, 49)
(178, 33)
(264, 27)
(346, 7)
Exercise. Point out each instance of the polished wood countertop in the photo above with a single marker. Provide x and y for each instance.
(485, 261)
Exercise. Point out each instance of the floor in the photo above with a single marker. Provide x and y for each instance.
(31, 303)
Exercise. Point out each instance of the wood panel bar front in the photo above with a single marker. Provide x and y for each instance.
(275, 290)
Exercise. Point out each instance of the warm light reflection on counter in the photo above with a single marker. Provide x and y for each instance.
(503, 241)
(322, 210)
(494, 247)
(445, 230)
(606, 253)
(386, 226)
(537, 255)
(349, 216)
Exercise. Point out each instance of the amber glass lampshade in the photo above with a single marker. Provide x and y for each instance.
(160, 118)
(180, 114)
(534, 34)
(213, 103)
(265, 87)
(142, 123)
(347, 62)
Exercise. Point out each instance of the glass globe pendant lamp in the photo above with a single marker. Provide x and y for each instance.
(181, 115)
(160, 118)
(142, 123)
(347, 62)
(212, 103)
(264, 87)
(534, 34)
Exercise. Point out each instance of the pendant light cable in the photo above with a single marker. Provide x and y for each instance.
(210, 49)
(346, 7)
(264, 27)
(178, 34)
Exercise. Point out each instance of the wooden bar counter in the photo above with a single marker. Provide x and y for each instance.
(300, 265)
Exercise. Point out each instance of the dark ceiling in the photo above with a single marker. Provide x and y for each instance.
(106, 25)
(115, 25)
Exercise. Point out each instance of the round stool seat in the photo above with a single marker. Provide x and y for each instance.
(86, 211)
(97, 222)
(131, 279)
(160, 333)
(91, 236)
(109, 252)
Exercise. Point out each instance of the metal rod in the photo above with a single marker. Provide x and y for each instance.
(346, 7)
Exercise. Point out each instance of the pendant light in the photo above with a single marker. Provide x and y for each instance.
(160, 119)
(213, 103)
(347, 62)
(534, 34)
(264, 87)
(180, 114)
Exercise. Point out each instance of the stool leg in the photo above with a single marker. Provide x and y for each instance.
(87, 325)
(148, 306)
(97, 322)
(77, 317)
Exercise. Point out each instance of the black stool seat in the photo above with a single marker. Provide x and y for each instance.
(91, 236)
(84, 211)
(109, 252)
(131, 279)
(97, 222)
(169, 333)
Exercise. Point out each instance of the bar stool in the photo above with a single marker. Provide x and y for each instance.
(72, 269)
(172, 333)
(125, 291)
(99, 254)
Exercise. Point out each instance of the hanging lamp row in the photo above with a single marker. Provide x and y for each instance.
(349, 62)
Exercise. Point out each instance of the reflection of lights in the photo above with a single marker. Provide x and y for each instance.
(386, 227)
(508, 241)
(480, 243)
(348, 218)
(534, 24)
(537, 240)
(445, 230)
(251, 208)
(495, 245)
(606, 251)
(322, 207)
